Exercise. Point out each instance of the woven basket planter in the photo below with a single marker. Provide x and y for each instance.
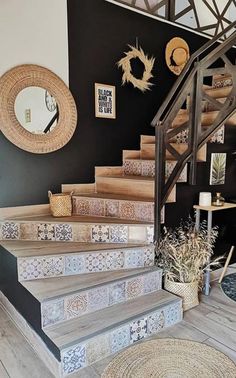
(60, 204)
(187, 291)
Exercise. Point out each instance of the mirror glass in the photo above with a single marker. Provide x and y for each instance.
(36, 110)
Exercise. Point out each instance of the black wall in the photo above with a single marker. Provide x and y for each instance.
(98, 35)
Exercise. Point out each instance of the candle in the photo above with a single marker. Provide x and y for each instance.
(204, 199)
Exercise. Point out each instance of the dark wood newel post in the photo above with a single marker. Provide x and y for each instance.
(159, 176)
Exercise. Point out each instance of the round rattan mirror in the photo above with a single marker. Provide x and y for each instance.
(16, 80)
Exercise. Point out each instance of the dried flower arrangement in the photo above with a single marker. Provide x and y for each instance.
(184, 253)
(142, 84)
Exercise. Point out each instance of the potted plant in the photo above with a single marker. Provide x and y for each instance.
(185, 254)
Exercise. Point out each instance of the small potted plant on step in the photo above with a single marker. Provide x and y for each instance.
(185, 254)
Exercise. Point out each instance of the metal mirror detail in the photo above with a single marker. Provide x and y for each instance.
(38, 112)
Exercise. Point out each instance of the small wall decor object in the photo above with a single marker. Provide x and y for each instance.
(125, 63)
(105, 101)
(218, 165)
(177, 55)
(60, 204)
(218, 200)
(205, 199)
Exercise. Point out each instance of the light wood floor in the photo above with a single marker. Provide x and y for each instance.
(213, 322)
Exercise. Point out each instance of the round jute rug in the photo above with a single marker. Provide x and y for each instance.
(170, 358)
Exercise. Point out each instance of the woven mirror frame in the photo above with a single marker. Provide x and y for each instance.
(21, 77)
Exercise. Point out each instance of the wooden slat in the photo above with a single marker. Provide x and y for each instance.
(78, 188)
(47, 289)
(19, 248)
(131, 154)
(73, 330)
(219, 92)
(23, 211)
(139, 186)
(108, 171)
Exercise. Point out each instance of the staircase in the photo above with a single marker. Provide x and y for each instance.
(88, 283)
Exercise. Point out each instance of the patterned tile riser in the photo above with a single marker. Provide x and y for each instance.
(88, 233)
(218, 137)
(79, 356)
(82, 263)
(131, 210)
(85, 302)
(224, 82)
(147, 168)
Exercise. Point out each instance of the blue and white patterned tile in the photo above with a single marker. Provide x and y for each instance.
(30, 269)
(119, 234)
(95, 262)
(115, 260)
(150, 234)
(100, 234)
(134, 287)
(144, 211)
(98, 298)
(73, 359)
(138, 330)
(173, 314)
(74, 264)
(117, 293)
(170, 165)
(119, 339)
(155, 322)
(97, 348)
(52, 312)
(97, 207)
(181, 137)
(63, 232)
(46, 231)
(148, 168)
(132, 167)
(80, 206)
(76, 305)
(149, 256)
(112, 209)
(127, 210)
(219, 136)
(152, 282)
(53, 266)
(134, 258)
(10, 231)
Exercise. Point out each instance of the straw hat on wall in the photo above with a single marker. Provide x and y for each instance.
(177, 54)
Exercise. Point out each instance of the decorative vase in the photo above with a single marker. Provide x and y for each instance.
(218, 200)
(187, 291)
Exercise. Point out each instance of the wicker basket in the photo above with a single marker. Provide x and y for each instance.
(187, 291)
(60, 204)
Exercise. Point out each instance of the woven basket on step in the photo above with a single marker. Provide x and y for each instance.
(60, 204)
(187, 291)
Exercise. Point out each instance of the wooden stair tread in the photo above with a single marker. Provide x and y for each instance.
(219, 92)
(207, 119)
(77, 330)
(50, 288)
(113, 196)
(128, 177)
(44, 248)
(76, 219)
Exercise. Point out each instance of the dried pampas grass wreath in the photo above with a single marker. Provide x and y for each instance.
(125, 63)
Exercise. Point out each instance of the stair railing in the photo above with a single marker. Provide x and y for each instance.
(209, 60)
